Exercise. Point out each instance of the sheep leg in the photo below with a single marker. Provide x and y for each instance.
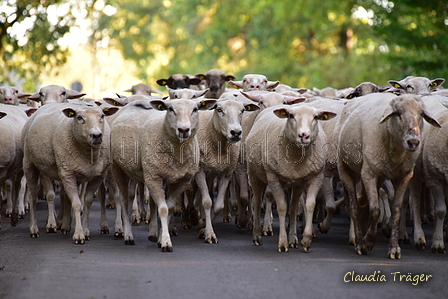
(206, 200)
(65, 212)
(8, 193)
(122, 181)
(90, 190)
(158, 194)
(71, 189)
(268, 216)
(293, 241)
(349, 181)
(280, 199)
(21, 197)
(258, 189)
(330, 205)
(32, 177)
(438, 244)
(223, 184)
(141, 202)
(153, 227)
(313, 187)
(370, 185)
(113, 191)
(243, 196)
(47, 184)
(400, 188)
(104, 226)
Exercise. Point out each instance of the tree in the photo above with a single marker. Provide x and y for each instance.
(30, 32)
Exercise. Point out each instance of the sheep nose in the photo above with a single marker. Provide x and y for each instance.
(214, 88)
(236, 135)
(304, 137)
(183, 130)
(413, 144)
(255, 86)
(96, 136)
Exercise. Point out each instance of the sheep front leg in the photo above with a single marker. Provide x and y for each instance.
(32, 176)
(209, 233)
(330, 205)
(279, 194)
(91, 188)
(438, 244)
(313, 187)
(47, 184)
(223, 184)
(371, 188)
(415, 201)
(158, 195)
(71, 189)
(400, 188)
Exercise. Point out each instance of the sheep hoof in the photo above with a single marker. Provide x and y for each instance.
(167, 248)
(51, 230)
(79, 241)
(187, 226)
(152, 238)
(211, 239)
(438, 250)
(173, 232)
(104, 231)
(420, 244)
(65, 232)
(395, 253)
(283, 248)
(110, 206)
(268, 233)
(129, 242)
(35, 235)
(22, 216)
(257, 241)
(227, 219)
(118, 235)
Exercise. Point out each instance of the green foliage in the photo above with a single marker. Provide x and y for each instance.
(303, 43)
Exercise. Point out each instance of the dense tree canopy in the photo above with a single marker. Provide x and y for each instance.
(303, 43)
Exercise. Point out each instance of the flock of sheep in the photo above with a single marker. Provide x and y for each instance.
(208, 146)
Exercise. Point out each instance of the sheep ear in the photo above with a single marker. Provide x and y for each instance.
(395, 84)
(158, 105)
(200, 93)
(73, 94)
(230, 77)
(251, 107)
(35, 97)
(289, 100)
(22, 95)
(206, 104)
(236, 84)
(326, 115)
(444, 103)
(436, 83)
(201, 76)
(108, 111)
(30, 112)
(272, 84)
(431, 121)
(256, 97)
(282, 113)
(162, 82)
(128, 90)
(69, 112)
(2, 114)
(112, 102)
(388, 113)
(194, 81)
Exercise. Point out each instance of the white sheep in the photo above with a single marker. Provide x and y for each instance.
(252, 82)
(10, 95)
(286, 148)
(219, 134)
(143, 89)
(430, 171)
(361, 90)
(215, 81)
(69, 143)
(379, 139)
(54, 94)
(155, 143)
(415, 85)
(12, 120)
(264, 99)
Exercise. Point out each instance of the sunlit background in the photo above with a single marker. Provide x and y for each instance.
(110, 45)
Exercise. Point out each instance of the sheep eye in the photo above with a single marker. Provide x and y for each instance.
(291, 116)
(194, 97)
(63, 93)
(171, 109)
(195, 110)
(41, 94)
(409, 87)
(80, 119)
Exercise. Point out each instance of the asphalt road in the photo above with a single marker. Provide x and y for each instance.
(53, 267)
